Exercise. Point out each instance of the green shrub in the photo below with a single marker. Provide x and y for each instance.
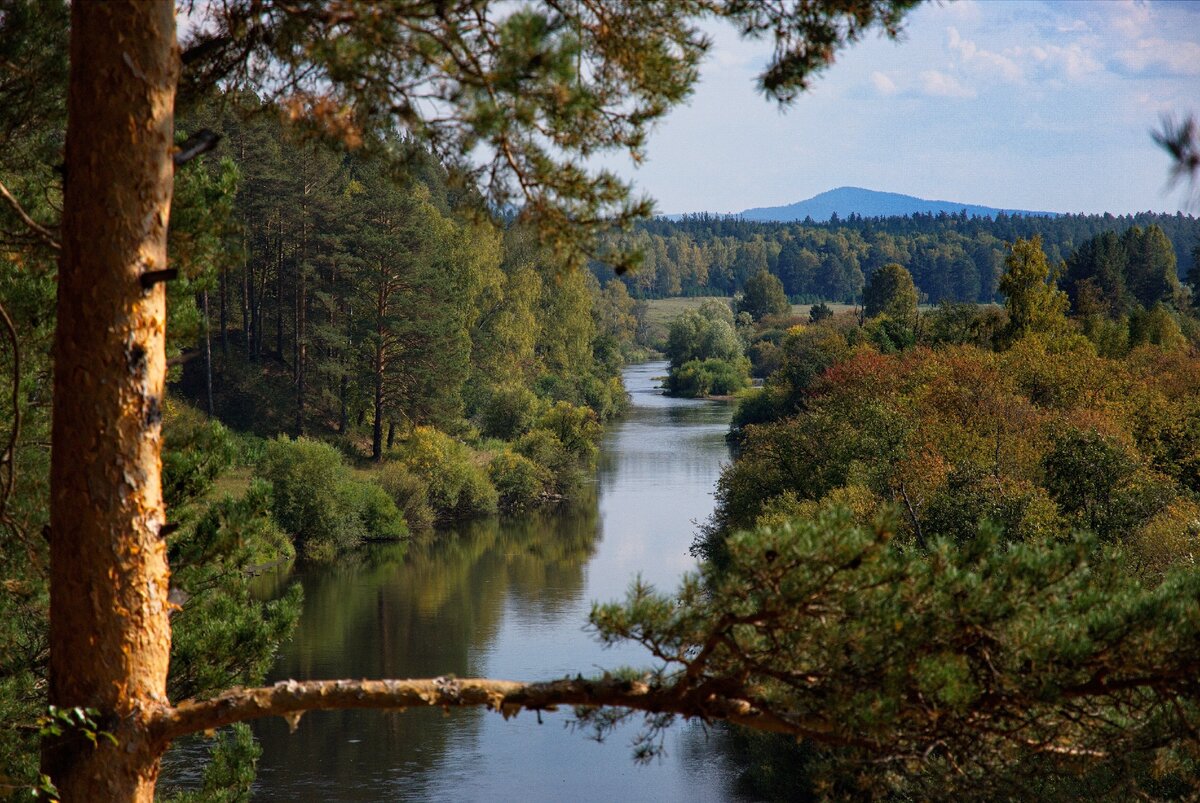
(231, 770)
(1155, 326)
(477, 496)
(317, 500)
(375, 508)
(233, 532)
(409, 492)
(711, 377)
(457, 487)
(606, 396)
(520, 482)
(758, 406)
(576, 428)
(545, 449)
(225, 635)
(509, 412)
(765, 358)
(889, 334)
(306, 478)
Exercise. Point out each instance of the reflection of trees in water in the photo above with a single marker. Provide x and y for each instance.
(415, 610)
(757, 765)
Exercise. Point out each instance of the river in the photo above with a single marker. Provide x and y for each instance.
(508, 599)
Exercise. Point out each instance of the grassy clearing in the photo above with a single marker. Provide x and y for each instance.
(837, 307)
(661, 311)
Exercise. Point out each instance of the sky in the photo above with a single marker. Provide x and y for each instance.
(1021, 104)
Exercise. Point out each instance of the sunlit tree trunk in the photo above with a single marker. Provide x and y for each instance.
(109, 633)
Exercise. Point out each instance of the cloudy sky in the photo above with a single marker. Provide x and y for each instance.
(1010, 103)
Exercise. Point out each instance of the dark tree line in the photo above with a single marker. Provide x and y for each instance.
(951, 257)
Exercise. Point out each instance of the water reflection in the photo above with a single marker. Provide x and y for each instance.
(419, 613)
(507, 599)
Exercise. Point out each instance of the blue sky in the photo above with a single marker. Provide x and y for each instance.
(1009, 103)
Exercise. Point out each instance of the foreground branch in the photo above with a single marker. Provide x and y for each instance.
(41, 231)
(290, 699)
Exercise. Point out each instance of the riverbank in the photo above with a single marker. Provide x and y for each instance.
(507, 598)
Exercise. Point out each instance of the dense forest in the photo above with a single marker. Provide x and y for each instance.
(950, 257)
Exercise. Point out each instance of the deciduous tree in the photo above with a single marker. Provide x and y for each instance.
(762, 295)
(890, 291)
(1031, 296)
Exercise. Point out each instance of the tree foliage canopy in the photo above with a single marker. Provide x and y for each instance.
(890, 291)
(518, 98)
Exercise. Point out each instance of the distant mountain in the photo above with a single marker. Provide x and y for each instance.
(869, 203)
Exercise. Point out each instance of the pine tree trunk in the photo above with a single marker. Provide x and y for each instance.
(255, 342)
(343, 413)
(247, 324)
(246, 333)
(377, 428)
(224, 316)
(110, 637)
(208, 389)
(301, 338)
(279, 292)
(341, 358)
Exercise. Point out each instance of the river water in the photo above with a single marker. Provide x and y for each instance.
(508, 599)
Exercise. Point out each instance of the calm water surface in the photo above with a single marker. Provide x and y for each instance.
(508, 600)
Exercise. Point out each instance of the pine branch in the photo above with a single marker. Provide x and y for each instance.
(290, 699)
(41, 231)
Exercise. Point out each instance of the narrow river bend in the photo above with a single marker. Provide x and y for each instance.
(508, 600)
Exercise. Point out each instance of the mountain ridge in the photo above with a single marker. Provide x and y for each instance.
(846, 201)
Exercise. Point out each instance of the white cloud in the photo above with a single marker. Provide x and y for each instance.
(938, 84)
(1131, 19)
(984, 61)
(1072, 62)
(1072, 26)
(883, 84)
(1161, 57)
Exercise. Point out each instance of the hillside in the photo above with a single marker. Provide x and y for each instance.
(845, 201)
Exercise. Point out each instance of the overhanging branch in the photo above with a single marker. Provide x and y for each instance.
(290, 699)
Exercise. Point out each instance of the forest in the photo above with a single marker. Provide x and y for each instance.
(950, 257)
(303, 276)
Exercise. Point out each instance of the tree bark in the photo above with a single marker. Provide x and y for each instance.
(377, 426)
(224, 316)
(110, 638)
(301, 335)
(247, 325)
(279, 292)
(208, 379)
(291, 699)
